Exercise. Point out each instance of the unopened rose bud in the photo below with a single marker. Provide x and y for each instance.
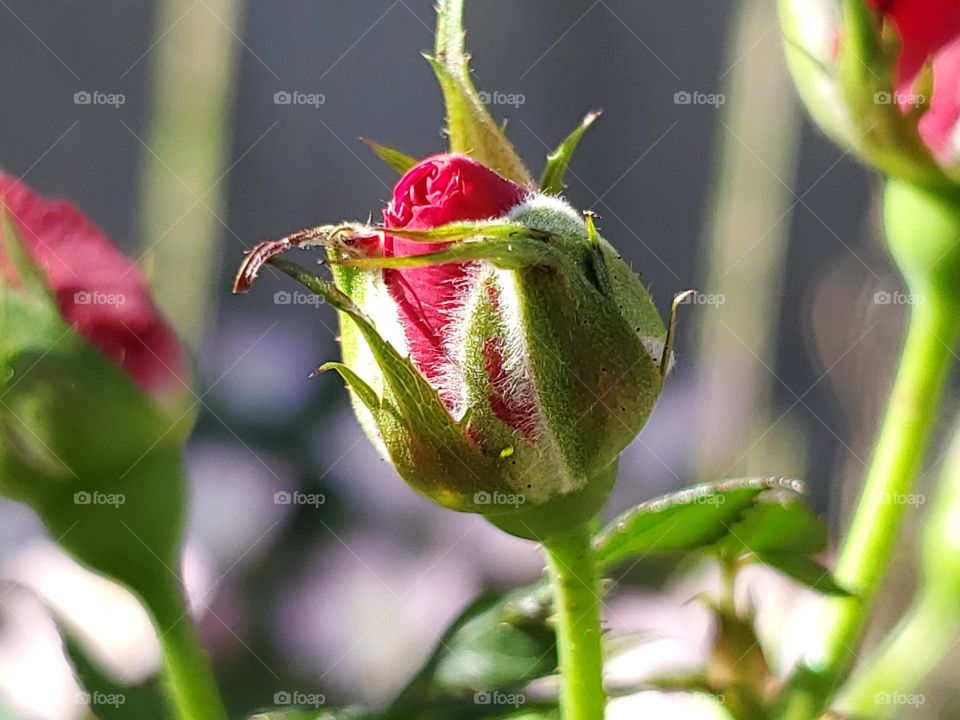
(881, 78)
(99, 293)
(535, 353)
(93, 389)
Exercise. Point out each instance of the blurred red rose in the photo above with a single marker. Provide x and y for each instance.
(99, 291)
(929, 30)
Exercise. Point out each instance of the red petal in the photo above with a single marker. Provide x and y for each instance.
(100, 291)
(439, 190)
(925, 28)
(940, 122)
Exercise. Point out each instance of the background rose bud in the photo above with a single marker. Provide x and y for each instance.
(929, 32)
(924, 28)
(854, 65)
(98, 291)
(93, 388)
(542, 348)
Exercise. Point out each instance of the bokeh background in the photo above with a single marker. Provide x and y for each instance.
(783, 362)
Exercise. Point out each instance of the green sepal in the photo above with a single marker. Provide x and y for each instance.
(420, 403)
(505, 254)
(556, 517)
(401, 162)
(431, 451)
(594, 409)
(843, 85)
(471, 128)
(465, 230)
(30, 275)
(552, 180)
(357, 384)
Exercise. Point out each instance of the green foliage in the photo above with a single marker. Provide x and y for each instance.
(498, 644)
(752, 520)
(552, 180)
(401, 162)
(691, 519)
(109, 699)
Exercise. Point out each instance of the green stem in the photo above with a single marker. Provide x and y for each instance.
(450, 35)
(866, 554)
(916, 647)
(188, 674)
(573, 574)
(911, 414)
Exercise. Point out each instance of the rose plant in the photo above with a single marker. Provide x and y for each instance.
(501, 355)
(94, 410)
(883, 79)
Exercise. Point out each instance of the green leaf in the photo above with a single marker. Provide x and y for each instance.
(401, 162)
(691, 519)
(552, 181)
(783, 533)
(109, 699)
(499, 643)
(787, 527)
(472, 129)
(805, 571)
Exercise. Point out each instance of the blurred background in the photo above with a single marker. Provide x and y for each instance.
(167, 123)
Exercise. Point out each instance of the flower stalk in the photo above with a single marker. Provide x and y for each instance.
(573, 575)
(929, 629)
(190, 682)
(923, 227)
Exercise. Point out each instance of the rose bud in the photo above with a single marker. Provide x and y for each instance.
(500, 352)
(881, 78)
(93, 389)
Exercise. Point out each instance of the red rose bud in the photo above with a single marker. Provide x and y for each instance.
(438, 191)
(929, 34)
(924, 27)
(99, 292)
(500, 352)
(93, 390)
(854, 68)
